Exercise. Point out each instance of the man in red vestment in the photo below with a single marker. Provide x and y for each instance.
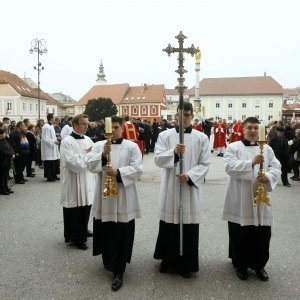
(197, 126)
(129, 132)
(237, 132)
(220, 137)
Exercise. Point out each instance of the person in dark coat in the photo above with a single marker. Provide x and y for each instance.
(280, 146)
(6, 154)
(207, 126)
(154, 136)
(295, 148)
(32, 149)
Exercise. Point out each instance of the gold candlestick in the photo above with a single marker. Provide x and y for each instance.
(261, 195)
(110, 188)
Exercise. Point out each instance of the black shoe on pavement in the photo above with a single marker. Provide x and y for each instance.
(31, 175)
(51, 179)
(57, 178)
(241, 273)
(287, 185)
(4, 193)
(117, 281)
(185, 274)
(262, 274)
(82, 246)
(163, 268)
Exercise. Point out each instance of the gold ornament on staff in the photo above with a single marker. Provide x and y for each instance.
(261, 195)
(110, 188)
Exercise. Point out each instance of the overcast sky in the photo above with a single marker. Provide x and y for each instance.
(236, 38)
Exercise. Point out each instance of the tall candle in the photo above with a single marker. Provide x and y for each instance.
(261, 133)
(108, 128)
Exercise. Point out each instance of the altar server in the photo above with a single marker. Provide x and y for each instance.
(77, 183)
(249, 226)
(114, 217)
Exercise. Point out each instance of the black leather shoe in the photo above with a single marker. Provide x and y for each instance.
(4, 193)
(89, 233)
(262, 274)
(51, 179)
(241, 273)
(117, 281)
(57, 178)
(31, 175)
(82, 246)
(185, 274)
(163, 268)
(10, 191)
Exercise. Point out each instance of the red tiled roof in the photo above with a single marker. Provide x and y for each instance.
(171, 92)
(22, 87)
(115, 92)
(291, 92)
(294, 106)
(259, 85)
(145, 93)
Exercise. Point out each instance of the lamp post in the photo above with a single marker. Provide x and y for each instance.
(39, 46)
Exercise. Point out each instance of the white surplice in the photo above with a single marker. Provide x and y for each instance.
(242, 184)
(77, 182)
(66, 131)
(49, 150)
(127, 158)
(197, 158)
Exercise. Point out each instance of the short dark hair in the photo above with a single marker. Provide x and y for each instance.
(116, 120)
(78, 117)
(126, 118)
(5, 119)
(187, 106)
(49, 117)
(251, 120)
(281, 129)
(19, 124)
(70, 119)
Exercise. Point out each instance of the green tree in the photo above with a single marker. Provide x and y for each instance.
(100, 108)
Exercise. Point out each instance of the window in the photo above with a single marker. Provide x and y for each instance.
(217, 117)
(24, 106)
(243, 117)
(134, 110)
(30, 106)
(124, 110)
(153, 110)
(9, 106)
(217, 104)
(244, 105)
(229, 105)
(36, 107)
(53, 110)
(144, 110)
(47, 111)
(270, 117)
(256, 103)
(271, 103)
(43, 108)
(229, 118)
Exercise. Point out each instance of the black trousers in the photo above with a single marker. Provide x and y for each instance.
(3, 178)
(51, 169)
(20, 162)
(284, 172)
(249, 245)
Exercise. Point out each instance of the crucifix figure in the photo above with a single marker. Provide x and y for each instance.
(181, 88)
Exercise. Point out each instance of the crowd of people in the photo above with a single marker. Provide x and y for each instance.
(90, 162)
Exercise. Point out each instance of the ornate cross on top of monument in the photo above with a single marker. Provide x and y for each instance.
(181, 50)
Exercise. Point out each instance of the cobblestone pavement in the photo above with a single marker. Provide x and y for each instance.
(35, 263)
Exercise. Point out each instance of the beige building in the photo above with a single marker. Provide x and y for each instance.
(19, 100)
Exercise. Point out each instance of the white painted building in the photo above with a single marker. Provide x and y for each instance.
(239, 98)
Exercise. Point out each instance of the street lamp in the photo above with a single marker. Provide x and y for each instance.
(38, 46)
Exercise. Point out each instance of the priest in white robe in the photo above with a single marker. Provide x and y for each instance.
(49, 150)
(249, 226)
(114, 218)
(77, 183)
(197, 158)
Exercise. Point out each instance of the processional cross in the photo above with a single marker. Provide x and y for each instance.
(181, 88)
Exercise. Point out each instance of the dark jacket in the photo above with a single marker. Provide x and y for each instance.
(281, 148)
(6, 153)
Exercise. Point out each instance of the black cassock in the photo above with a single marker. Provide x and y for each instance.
(114, 240)
(249, 245)
(167, 246)
(76, 221)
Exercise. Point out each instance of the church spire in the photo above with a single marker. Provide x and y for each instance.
(101, 76)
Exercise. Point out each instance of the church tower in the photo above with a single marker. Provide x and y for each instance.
(101, 76)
